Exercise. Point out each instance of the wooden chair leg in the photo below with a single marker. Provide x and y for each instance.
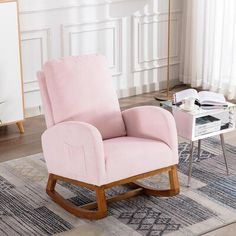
(101, 200)
(174, 180)
(51, 183)
(78, 211)
(174, 186)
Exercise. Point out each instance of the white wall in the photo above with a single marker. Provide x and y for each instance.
(136, 45)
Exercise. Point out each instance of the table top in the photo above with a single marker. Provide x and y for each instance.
(198, 111)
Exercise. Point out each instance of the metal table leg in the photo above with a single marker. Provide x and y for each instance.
(224, 152)
(199, 149)
(190, 163)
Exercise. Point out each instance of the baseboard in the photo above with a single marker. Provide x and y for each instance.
(33, 111)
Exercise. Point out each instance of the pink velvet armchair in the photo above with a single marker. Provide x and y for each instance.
(91, 143)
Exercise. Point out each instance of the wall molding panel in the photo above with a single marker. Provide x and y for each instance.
(35, 51)
(147, 53)
(39, 41)
(103, 37)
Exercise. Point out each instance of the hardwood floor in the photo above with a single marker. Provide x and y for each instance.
(15, 145)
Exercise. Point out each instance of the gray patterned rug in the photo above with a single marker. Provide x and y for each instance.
(25, 209)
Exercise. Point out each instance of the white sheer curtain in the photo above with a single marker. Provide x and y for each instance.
(208, 50)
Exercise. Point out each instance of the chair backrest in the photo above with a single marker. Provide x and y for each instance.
(81, 89)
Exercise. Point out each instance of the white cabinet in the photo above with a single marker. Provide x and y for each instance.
(11, 94)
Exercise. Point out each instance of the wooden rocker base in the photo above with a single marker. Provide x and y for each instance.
(97, 210)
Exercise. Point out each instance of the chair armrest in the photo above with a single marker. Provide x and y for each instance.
(75, 150)
(152, 123)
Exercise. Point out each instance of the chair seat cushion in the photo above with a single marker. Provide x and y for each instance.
(80, 88)
(130, 156)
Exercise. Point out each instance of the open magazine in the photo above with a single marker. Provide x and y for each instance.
(204, 99)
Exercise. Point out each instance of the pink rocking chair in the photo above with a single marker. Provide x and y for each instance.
(89, 142)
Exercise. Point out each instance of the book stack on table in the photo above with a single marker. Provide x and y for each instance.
(207, 124)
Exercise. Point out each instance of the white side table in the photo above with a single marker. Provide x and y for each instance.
(186, 128)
